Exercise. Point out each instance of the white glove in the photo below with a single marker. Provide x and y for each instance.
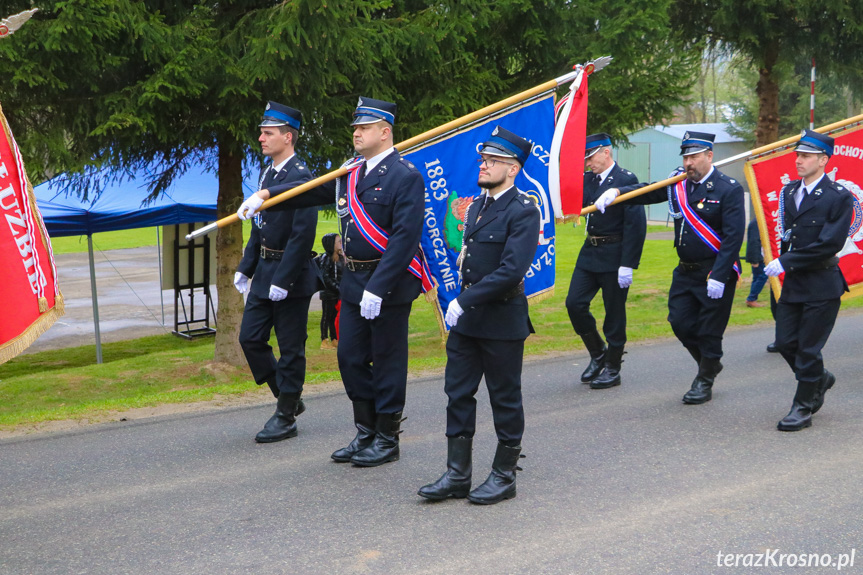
(606, 198)
(277, 293)
(250, 206)
(624, 277)
(774, 268)
(370, 305)
(715, 289)
(241, 282)
(453, 312)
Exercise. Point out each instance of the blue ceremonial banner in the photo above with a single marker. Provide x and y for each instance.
(450, 170)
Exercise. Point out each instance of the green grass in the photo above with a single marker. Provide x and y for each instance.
(66, 384)
(106, 241)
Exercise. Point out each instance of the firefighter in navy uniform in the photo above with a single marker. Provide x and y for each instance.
(489, 323)
(708, 233)
(277, 258)
(815, 215)
(377, 289)
(610, 252)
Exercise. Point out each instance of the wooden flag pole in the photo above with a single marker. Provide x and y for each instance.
(743, 156)
(406, 144)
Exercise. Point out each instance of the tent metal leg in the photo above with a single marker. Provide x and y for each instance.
(95, 299)
(161, 294)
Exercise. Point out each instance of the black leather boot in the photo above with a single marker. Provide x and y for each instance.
(610, 374)
(827, 381)
(455, 482)
(283, 423)
(800, 416)
(702, 386)
(385, 445)
(364, 419)
(596, 347)
(500, 484)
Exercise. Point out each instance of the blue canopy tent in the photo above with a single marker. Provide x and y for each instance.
(123, 205)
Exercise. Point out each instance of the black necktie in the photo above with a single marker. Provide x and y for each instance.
(270, 177)
(800, 195)
(488, 202)
(362, 172)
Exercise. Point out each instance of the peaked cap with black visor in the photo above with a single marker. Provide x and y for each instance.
(696, 142)
(276, 115)
(505, 144)
(370, 111)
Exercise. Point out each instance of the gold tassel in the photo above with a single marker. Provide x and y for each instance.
(15, 346)
(431, 297)
(43, 304)
(543, 295)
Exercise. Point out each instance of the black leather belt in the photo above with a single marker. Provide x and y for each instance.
(268, 254)
(695, 266)
(827, 264)
(602, 240)
(830, 262)
(361, 265)
(514, 292)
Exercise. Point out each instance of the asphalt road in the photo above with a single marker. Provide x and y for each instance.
(620, 481)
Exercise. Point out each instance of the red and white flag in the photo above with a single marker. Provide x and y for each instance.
(29, 292)
(566, 162)
(566, 166)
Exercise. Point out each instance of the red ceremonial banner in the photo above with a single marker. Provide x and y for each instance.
(29, 293)
(766, 177)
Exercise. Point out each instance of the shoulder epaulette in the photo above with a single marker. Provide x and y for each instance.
(526, 199)
(723, 176)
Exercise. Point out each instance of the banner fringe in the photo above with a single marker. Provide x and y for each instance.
(431, 298)
(855, 290)
(540, 296)
(17, 345)
(576, 218)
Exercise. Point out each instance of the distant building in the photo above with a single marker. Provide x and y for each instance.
(655, 152)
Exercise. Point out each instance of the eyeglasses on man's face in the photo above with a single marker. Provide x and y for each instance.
(491, 162)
